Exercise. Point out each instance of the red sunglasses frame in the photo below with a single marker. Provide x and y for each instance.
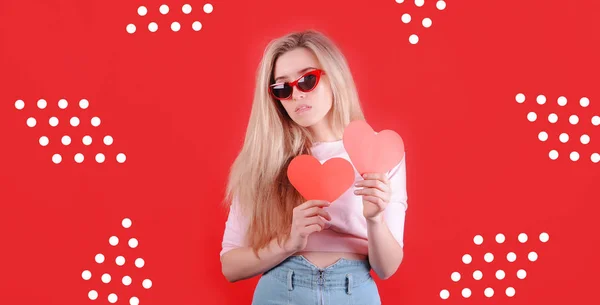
(316, 72)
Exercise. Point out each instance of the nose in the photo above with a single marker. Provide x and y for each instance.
(297, 94)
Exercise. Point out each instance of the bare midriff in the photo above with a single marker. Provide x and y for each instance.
(324, 259)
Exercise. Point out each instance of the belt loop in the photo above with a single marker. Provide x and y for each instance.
(349, 277)
(289, 280)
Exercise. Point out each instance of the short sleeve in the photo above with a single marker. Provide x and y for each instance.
(395, 212)
(235, 229)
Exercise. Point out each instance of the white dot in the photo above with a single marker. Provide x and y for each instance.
(100, 158)
(553, 154)
(106, 278)
(113, 240)
(108, 140)
(126, 280)
(488, 257)
(532, 256)
(120, 260)
(419, 3)
(541, 99)
(595, 157)
(553, 118)
(427, 22)
(86, 275)
(511, 257)
(42, 103)
(19, 104)
(574, 156)
(564, 137)
(79, 157)
(489, 292)
(444, 294)
(147, 283)
(562, 101)
(406, 18)
(44, 141)
(84, 104)
(112, 298)
(477, 275)
(478, 240)
(521, 274)
(523, 238)
(544, 237)
(584, 102)
(134, 301)
(53, 121)
(467, 259)
(74, 121)
(66, 140)
(56, 158)
(596, 120)
(531, 117)
(142, 11)
(95, 121)
(126, 223)
(466, 293)
(87, 140)
(543, 136)
(510, 292)
(153, 27)
(585, 139)
(93, 295)
(99, 258)
(208, 8)
(139, 263)
(197, 26)
(573, 120)
(455, 276)
(121, 158)
(133, 243)
(413, 39)
(131, 28)
(63, 104)
(500, 238)
(186, 9)
(175, 26)
(31, 122)
(520, 98)
(164, 9)
(441, 5)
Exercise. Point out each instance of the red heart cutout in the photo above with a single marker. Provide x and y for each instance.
(372, 152)
(316, 181)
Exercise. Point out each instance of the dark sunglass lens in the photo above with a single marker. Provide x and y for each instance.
(282, 91)
(308, 82)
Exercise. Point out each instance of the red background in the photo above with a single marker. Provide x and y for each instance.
(177, 105)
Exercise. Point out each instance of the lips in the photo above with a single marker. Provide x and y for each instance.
(302, 107)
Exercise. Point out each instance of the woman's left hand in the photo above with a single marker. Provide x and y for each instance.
(376, 193)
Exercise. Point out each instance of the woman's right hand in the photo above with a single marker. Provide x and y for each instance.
(309, 217)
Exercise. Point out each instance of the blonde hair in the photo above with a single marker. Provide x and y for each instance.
(258, 176)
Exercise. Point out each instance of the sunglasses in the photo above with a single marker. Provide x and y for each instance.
(306, 83)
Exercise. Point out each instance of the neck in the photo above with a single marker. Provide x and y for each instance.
(322, 132)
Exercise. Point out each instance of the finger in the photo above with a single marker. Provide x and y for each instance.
(317, 211)
(377, 176)
(368, 191)
(374, 200)
(374, 184)
(313, 203)
(310, 229)
(315, 220)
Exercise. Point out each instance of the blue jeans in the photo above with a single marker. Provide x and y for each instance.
(299, 282)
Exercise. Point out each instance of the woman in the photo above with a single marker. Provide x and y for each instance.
(309, 252)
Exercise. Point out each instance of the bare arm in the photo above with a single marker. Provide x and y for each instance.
(241, 263)
(385, 253)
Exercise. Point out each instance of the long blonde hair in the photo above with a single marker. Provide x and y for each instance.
(258, 176)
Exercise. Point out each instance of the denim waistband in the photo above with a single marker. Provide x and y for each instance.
(343, 274)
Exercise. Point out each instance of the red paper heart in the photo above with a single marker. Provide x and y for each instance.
(372, 152)
(316, 181)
